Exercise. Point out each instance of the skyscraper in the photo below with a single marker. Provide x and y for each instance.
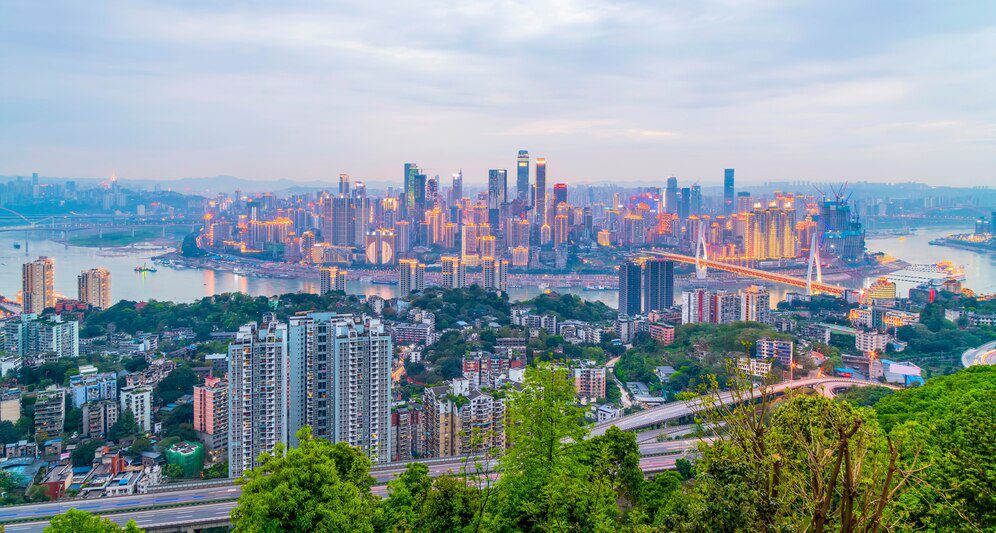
(755, 304)
(37, 285)
(257, 392)
(344, 184)
(411, 276)
(696, 202)
(658, 288)
(559, 194)
(454, 272)
(345, 363)
(94, 287)
(728, 192)
(685, 203)
(671, 195)
(456, 189)
(522, 176)
(629, 289)
(497, 193)
(408, 194)
(539, 194)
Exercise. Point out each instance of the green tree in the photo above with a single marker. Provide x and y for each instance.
(406, 495)
(318, 486)
(75, 521)
(83, 454)
(179, 382)
(125, 427)
(545, 484)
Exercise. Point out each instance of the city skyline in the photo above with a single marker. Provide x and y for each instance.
(606, 92)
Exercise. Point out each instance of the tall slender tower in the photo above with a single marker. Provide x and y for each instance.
(37, 285)
(411, 276)
(728, 205)
(94, 287)
(658, 287)
(497, 194)
(257, 392)
(671, 195)
(522, 176)
(629, 289)
(539, 199)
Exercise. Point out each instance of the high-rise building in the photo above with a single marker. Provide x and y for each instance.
(344, 362)
(380, 246)
(658, 285)
(257, 392)
(344, 184)
(495, 273)
(497, 194)
(211, 412)
(728, 192)
(522, 176)
(671, 196)
(454, 272)
(95, 287)
(696, 200)
(712, 307)
(463, 420)
(38, 285)
(92, 386)
(755, 304)
(408, 195)
(456, 189)
(99, 417)
(138, 400)
(539, 194)
(589, 382)
(411, 276)
(331, 279)
(629, 289)
(41, 338)
(50, 412)
(559, 194)
(685, 203)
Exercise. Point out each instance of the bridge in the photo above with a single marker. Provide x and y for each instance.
(703, 263)
(196, 505)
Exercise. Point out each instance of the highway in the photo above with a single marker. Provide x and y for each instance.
(676, 410)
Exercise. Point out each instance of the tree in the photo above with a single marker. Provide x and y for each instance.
(545, 483)
(84, 453)
(179, 382)
(75, 521)
(173, 471)
(126, 426)
(318, 486)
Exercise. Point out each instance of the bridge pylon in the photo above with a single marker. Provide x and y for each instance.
(814, 260)
(701, 253)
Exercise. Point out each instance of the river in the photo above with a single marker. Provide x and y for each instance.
(185, 285)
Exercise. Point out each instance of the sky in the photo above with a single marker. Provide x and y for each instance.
(606, 91)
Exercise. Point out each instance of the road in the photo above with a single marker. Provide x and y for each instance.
(676, 410)
(610, 370)
(205, 513)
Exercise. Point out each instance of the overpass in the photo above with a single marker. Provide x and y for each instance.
(677, 410)
(703, 263)
(207, 504)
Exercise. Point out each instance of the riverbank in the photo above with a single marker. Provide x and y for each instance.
(982, 247)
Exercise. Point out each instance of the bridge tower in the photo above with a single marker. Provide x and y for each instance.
(814, 260)
(701, 253)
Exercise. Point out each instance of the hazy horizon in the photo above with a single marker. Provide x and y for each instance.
(623, 92)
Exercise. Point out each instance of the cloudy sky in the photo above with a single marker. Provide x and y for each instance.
(606, 91)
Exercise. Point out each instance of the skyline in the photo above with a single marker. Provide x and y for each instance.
(606, 92)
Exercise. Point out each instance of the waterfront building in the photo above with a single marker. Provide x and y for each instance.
(755, 304)
(658, 285)
(37, 285)
(257, 392)
(629, 288)
(495, 273)
(380, 246)
(454, 272)
(331, 279)
(94, 287)
(411, 276)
